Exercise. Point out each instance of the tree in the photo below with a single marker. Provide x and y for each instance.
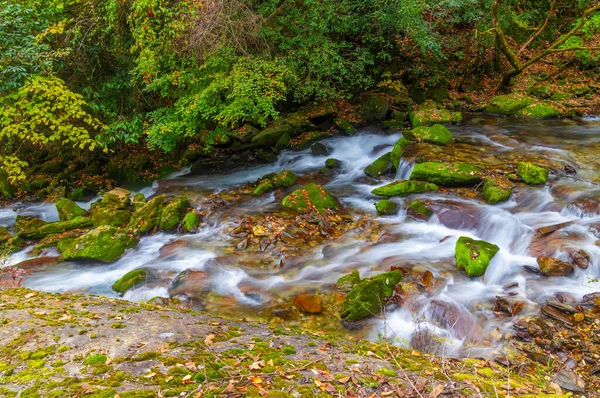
(514, 54)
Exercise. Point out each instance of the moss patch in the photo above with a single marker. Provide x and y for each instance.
(311, 197)
(386, 207)
(404, 188)
(496, 190)
(382, 166)
(474, 256)
(104, 244)
(532, 174)
(447, 174)
(436, 134)
(368, 297)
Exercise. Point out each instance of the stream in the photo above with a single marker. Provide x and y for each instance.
(252, 292)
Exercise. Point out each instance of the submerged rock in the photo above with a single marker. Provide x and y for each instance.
(404, 188)
(447, 174)
(68, 210)
(550, 266)
(473, 256)
(381, 166)
(368, 297)
(496, 190)
(134, 279)
(458, 319)
(311, 197)
(532, 174)
(106, 244)
(386, 207)
(436, 134)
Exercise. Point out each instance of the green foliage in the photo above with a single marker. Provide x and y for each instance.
(589, 32)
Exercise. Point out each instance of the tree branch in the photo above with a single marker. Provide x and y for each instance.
(540, 30)
(501, 38)
(560, 50)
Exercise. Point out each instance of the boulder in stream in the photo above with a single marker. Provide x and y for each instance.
(347, 282)
(284, 179)
(473, 256)
(509, 104)
(436, 134)
(68, 210)
(496, 190)
(399, 150)
(550, 266)
(447, 174)
(431, 112)
(134, 279)
(310, 197)
(404, 188)
(419, 210)
(31, 228)
(368, 297)
(105, 243)
(532, 174)
(191, 220)
(173, 213)
(386, 207)
(381, 166)
(148, 216)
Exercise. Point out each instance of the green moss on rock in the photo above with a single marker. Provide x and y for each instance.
(419, 210)
(270, 137)
(68, 210)
(311, 197)
(345, 126)
(374, 108)
(191, 221)
(430, 113)
(173, 212)
(266, 185)
(106, 244)
(284, 179)
(436, 134)
(117, 198)
(509, 104)
(473, 256)
(447, 174)
(386, 207)
(31, 228)
(496, 190)
(139, 200)
(539, 110)
(284, 141)
(382, 166)
(398, 150)
(368, 297)
(130, 280)
(332, 163)
(103, 214)
(347, 282)
(532, 174)
(147, 217)
(404, 188)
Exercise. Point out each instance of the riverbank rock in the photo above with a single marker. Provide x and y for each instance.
(347, 282)
(31, 228)
(496, 190)
(172, 214)
(309, 303)
(381, 166)
(264, 186)
(147, 217)
(68, 210)
(310, 197)
(270, 136)
(134, 279)
(539, 110)
(432, 113)
(404, 188)
(106, 244)
(447, 174)
(386, 207)
(374, 108)
(509, 104)
(368, 297)
(284, 179)
(436, 134)
(532, 174)
(474, 256)
(550, 266)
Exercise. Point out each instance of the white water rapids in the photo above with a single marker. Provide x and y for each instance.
(415, 244)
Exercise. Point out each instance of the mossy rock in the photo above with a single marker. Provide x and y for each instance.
(386, 207)
(106, 244)
(147, 217)
(396, 154)
(447, 174)
(311, 197)
(117, 198)
(404, 188)
(345, 126)
(436, 134)
(474, 256)
(284, 179)
(103, 214)
(191, 220)
(419, 210)
(496, 190)
(270, 137)
(173, 212)
(539, 110)
(368, 297)
(139, 200)
(284, 141)
(298, 120)
(134, 279)
(332, 163)
(542, 92)
(322, 112)
(382, 166)
(68, 210)
(4, 235)
(7, 190)
(509, 104)
(430, 113)
(78, 194)
(532, 174)
(264, 186)
(560, 96)
(30, 228)
(347, 282)
(374, 108)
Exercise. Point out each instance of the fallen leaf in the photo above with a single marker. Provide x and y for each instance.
(344, 379)
(187, 379)
(437, 390)
(208, 340)
(257, 365)
(168, 379)
(149, 375)
(190, 365)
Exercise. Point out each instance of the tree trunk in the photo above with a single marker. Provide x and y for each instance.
(507, 77)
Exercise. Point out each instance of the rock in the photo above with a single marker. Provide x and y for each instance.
(368, 297)
(539, 110)
(309, 303)
(311, 197)
(37, 263)
(332, 163)
(173, 248)
(147, 217)
(436, 134)
(30, 228)
(580, 258)
(4, 235)
(542, 92)
(7, 190)
(173, 212)
(474, 256)
(139, 200)
(298, 120)
(446, 174)
(269, 137)
(581, 91)
(323, 112)
(191, 283)
(399, 150)
(68, 210)
(554, 227)
(453, 317)
(550, 266)
(105, 243)
(134, 279)
(532, 174)
(117, 198)
(196, 152)
(570, 381)
(345, 126)
(382, 166)
(386, 207)
(319, 149)
(284, 179)
(79, 194)
(430, 113)
(496, 190)
(506, 306)
(284, 141)
(404, 188)
(374, 108)
(191, 220)
(247, 133)
(509, 104)
(264, 186)
(347, 282)
(419, 210)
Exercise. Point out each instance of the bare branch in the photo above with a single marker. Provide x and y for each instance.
(540, 30)
(561, 50)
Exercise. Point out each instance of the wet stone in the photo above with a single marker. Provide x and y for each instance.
(568, 380)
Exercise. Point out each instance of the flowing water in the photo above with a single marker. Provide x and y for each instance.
(413, 244)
